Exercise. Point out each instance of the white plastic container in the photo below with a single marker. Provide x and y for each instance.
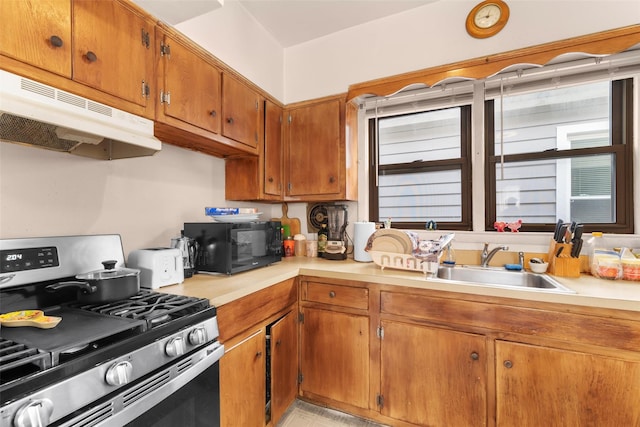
(604, 262)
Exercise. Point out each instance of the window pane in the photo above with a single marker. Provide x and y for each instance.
(420, 197)
(578, 189)
(432, 135)
(539, 121)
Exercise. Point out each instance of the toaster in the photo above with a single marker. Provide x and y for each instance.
(158, 266)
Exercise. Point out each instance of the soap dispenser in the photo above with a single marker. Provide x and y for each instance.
(449, 256)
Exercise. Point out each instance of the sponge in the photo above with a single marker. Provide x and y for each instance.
(513, 267)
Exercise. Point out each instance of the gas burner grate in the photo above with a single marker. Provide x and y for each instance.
(154, 307)
(14, 355)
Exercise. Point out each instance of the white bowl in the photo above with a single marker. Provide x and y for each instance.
(538, 268)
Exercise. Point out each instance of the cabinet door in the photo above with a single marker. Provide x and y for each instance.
(335, 356)
(315, 149)
(272, 149)
(432, 375)
(112, 49)
(284, 365)
(537, 385)
(242, 383)
(37, 32)
(242, 109)
(191, 87)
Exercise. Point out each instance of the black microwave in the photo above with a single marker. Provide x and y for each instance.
(232, 247)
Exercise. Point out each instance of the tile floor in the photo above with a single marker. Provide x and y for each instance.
(303, 414)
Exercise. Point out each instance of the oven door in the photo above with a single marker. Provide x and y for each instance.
(185, 394)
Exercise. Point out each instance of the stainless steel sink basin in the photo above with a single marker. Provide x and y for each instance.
(501, 278)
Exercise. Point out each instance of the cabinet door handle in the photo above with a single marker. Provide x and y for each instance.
(258, 354)
(331, 179)
(55, 41)
(213, 113)
(230, 120)
(475, 356)
(278, 342)
(508, 364)
(270, 179)
(91, 57)
(332, 294)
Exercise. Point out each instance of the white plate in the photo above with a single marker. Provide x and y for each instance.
(236, 218)
(402, 243)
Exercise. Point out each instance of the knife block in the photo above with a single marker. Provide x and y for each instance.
(563, 265)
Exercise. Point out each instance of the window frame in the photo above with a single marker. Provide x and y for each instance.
(621, 147)
(463, 163)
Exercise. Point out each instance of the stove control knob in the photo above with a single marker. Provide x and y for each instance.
(119, 373)
(198, 336)
(174, 347)
(36, 413)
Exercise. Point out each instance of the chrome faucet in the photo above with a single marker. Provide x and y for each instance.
(486, 255)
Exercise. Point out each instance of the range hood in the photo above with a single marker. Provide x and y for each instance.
(35, 114)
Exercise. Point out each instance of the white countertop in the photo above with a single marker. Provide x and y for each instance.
(221, 289)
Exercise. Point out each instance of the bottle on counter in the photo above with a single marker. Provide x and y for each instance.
(300, 244)
(323, 236)
(289, 246)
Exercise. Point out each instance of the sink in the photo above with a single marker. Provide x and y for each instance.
(501, 278)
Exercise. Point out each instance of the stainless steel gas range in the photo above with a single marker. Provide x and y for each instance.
(148, 360)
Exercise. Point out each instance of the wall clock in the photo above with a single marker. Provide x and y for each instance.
(487, 18)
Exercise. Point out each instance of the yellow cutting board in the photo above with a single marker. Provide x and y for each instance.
(293, 223)
(35, 318)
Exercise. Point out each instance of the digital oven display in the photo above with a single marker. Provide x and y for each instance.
(28, 259)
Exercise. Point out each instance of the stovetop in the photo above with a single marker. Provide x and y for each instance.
(88, 334)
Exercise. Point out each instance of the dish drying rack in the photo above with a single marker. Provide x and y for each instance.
(427, 265)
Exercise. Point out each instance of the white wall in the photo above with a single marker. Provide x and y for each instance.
(236, 38)
(435, 34)
(145, 200)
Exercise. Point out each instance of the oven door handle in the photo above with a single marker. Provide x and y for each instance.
(203, 359)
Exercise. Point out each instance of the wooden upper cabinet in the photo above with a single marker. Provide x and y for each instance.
(243, 112)
(113, 50)
(259, 177)
(37, 33)
(320, 152)
(189, 86)
(273, 150)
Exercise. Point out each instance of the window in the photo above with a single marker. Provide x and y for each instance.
(422, 168)
(558, 143)
(561, 152)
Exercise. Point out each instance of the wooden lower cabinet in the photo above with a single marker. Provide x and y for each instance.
(334, 359)
(242, 383)
(433, 377)
(284, 364)
(433, 358)
(244, 326)
(539, 385)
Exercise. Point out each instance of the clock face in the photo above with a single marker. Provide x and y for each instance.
(487, 16)
(487, 19)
